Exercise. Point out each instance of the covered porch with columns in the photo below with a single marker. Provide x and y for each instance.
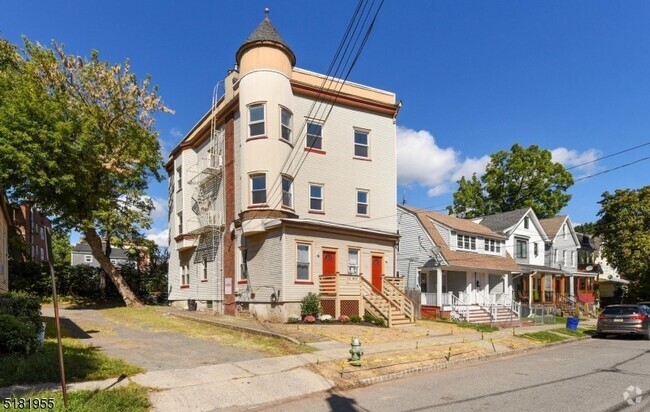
(444, 288)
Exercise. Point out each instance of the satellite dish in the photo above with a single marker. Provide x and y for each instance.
(609, 277)
(589, 268)
(435, 250)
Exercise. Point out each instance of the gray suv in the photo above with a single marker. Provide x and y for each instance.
(624, 320)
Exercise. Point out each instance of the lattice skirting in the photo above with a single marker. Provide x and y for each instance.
(350, 307)
(328, 307)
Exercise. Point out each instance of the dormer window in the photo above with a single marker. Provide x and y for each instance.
(493, 246)
(466, 242)
(526, 222)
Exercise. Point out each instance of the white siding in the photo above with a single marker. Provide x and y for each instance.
(264, 255)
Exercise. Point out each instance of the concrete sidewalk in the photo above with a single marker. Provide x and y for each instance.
(249, 383)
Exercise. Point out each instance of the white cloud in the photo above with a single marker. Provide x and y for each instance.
(176, 133)
(420, 161)
(160, 208)
(159, 236)
(572, 158)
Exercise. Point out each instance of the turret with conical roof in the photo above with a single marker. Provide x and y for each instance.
(265, 48)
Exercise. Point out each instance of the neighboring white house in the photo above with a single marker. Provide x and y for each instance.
(458, 265)
(81, 254)
(288, 176)
(5, 225)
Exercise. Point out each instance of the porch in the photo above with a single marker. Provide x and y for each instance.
(473, 297)
(352, 294)
(568, 292)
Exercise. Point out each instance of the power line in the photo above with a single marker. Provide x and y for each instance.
(610, 155)
(612, 169)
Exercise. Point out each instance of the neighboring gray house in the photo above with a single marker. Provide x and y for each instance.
(82, 255)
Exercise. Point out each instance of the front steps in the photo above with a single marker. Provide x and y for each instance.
(477, 314)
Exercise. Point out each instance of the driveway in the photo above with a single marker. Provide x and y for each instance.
(148, 349)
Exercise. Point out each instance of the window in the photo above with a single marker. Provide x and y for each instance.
(179, 178)
(258, 189)
(42, 232)
(521, 249)
(316, 197)
(303, 261)
(114, 262)
(314, 136)
(466, 242)
(573, 258)
(362, 202)
(205, 269)
(535, 249)
(526, 222)
(42, 254)
(361, 143)
(88, 258)
(287, 191)
(285, 121)
(492, 245)
(185, 275)
(555, 256)
(353, 261)
(564, 231)
(256, 120)
(563, 257)
(180, 222)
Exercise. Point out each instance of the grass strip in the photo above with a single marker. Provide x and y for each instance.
(544, 336)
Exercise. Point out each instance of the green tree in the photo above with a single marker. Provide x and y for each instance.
(624, 225)
(588, 228)
(521, 177)
(61, 247)
(78, 142)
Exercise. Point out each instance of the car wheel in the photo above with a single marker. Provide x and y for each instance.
(598, 336)
(647, 335)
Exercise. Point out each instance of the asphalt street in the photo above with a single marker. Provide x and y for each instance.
(595, 375)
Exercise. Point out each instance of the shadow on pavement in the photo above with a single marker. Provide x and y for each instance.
(69, 326)
(340, 403)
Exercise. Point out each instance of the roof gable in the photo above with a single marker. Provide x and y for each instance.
(508, 222)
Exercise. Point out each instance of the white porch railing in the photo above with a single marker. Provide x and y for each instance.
(459, 306)
(514, 306)
(431, 299)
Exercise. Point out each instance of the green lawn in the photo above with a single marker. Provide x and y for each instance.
(544, 336)
(82, 362)
(578, 333)
(131, 398)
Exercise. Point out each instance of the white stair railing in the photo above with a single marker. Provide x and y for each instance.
(459, 306)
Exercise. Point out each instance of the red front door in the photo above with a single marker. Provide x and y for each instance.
(377, 270)
(329, 262)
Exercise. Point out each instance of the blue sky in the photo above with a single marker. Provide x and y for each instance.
(474, 77)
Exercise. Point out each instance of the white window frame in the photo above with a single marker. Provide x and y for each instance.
(362, 204)
(286, 128)
(179, 178)
(564, 231)
(465, 242)
(252, 178)
(365, 133)
(526, 222)
(352, 268)
(555, 256)
(88, 258)
(564, 257)
(179, 225)
(314, 198)
(287, 195)
(205, 269)
(252, 123)
(316, 138)
(573, 258)
(185, 275)
(308, 262)
(492, 246)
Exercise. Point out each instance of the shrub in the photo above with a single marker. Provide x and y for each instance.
(379, 322)
(309, 319)
(17, 335)
(22, 306)
(367, 317)
(326, 319)
(310, 305)
(344, 319)
(355, 319)
(293, 319)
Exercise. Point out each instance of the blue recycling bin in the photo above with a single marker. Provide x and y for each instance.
(572, 323)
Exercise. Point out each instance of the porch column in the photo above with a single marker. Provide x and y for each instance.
(530, 289)
(563, 285)
(543, 288)
(572, 286)
(553, 289)
(439, 286)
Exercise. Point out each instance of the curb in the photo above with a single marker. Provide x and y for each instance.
(236, 327)
(447, 365)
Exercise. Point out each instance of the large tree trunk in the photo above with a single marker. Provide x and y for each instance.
(95, 244)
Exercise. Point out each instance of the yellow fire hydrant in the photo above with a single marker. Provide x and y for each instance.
(356, 352)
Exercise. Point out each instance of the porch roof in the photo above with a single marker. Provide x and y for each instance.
(554, 271)
(461, 259)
